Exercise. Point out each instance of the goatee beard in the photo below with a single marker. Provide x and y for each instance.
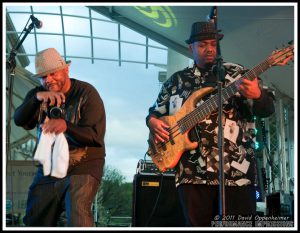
(208, 65)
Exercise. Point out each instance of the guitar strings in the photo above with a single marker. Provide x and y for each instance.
(197, 115)
(185, 122)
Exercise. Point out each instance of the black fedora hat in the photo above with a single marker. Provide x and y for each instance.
(203, 31)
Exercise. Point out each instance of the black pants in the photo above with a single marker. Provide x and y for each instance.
(73, 194)
(200, 203)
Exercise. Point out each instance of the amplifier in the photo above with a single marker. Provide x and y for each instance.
(156, 202)
(147, 167)
(280, 204)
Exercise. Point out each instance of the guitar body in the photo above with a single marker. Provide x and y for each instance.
(166, 155)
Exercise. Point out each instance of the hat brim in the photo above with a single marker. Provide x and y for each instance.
(68, 63)
(203, 37)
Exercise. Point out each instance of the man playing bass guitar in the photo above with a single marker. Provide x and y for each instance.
(187, 138)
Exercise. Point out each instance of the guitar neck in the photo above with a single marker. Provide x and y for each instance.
(199, 113)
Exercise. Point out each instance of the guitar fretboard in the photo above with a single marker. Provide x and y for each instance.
(199, 113)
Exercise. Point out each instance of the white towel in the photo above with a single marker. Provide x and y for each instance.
(58, 167)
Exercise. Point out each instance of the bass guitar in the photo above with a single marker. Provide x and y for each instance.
(166, 154)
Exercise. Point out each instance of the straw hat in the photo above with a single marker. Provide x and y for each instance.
(48, 61)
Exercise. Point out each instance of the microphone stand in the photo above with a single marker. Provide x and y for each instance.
(219, 70)
(11, 66)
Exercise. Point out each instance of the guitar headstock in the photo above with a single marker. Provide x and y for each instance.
(281, 57)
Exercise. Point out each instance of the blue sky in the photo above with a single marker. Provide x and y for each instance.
(127, 90)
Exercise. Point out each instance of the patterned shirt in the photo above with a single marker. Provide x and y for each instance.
(200, 166)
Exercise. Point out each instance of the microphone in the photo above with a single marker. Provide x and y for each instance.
(212, 15)
(38, 24)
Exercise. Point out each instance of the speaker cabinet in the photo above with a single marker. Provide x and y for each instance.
(273, 204)
(156, 202)
(280, 204)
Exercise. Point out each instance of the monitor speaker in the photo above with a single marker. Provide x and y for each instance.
(273, 204)
(280, 204)
(156, 202)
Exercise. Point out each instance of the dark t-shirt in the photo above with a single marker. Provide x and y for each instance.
(86, 123)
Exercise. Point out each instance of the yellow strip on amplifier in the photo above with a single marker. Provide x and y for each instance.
(150, 183)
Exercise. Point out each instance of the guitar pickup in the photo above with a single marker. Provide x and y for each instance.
(171, 139)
